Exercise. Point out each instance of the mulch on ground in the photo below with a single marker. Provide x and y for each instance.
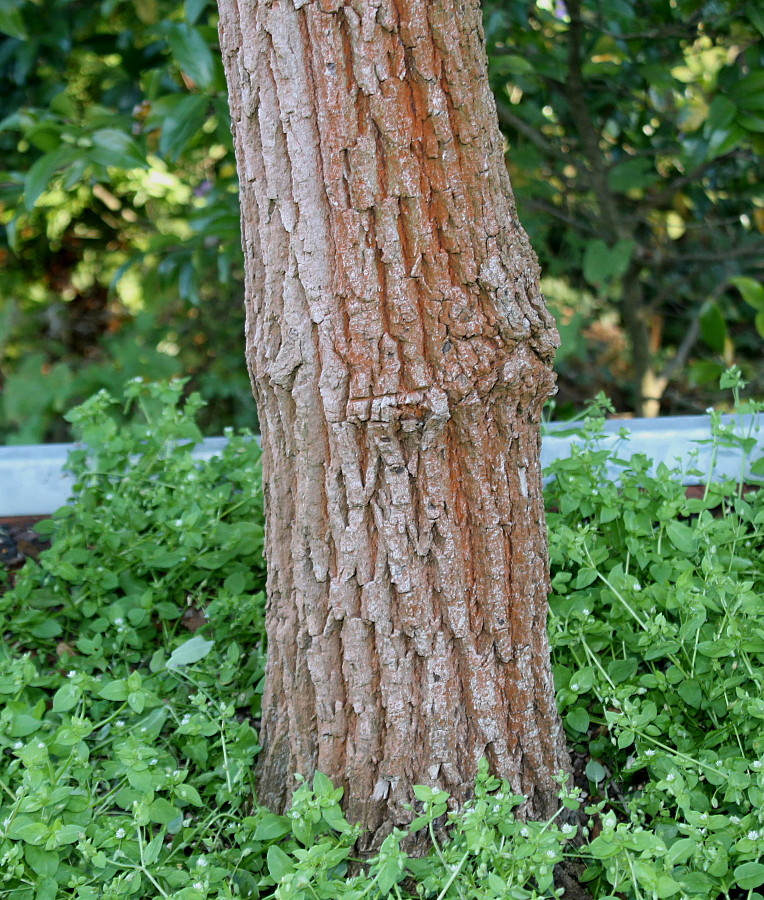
(19, 542)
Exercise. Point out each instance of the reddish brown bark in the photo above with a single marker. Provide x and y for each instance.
(400, 354)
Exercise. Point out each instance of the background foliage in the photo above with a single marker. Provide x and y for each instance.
(635, 133)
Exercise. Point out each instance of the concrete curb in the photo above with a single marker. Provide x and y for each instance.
(33, 481)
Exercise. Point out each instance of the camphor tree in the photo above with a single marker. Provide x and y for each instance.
(400, 353)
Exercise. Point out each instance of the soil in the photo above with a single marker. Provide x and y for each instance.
(19, 542)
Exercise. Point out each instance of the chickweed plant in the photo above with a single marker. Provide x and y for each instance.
(132, 664)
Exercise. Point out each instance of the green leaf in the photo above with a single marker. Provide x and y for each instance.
(34, 833)
(44, 862)
(152, 849)
(112, 147)
(682, 537)
(279, 864)
(272, 827)
(603, 263)
(193, 9)
(631, 174)
(422, 792)
(192, 651)
(66, 697)
(721, 114)
(192, 54)
(578, 719)
(162, 811)
(189, 794)
(322, 786)
(751, 290)
(182, 120)
(11, 22)
(713, 328)
(137, 701)
(750, 875)
(40, 173)
(115, 690)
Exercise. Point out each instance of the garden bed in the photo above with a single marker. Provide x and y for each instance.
(128, 744)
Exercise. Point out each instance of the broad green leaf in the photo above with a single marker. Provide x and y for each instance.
(112, 147)
(189, 794)
(41, 172)
(34, 833)
(750, 875)
(192, 651)
(602, 263)
(271, 827)
(153, 849)
(192, 54)
(322, 786)
(182, 120)
(751, 290)
(11, 22)
(115, 690)
(162, 811)
(631, 174)
(713, 328)
(279, 864)
(578, 720)
(193, 9)
(682, 537)
(43, 862)
(66, 697)
(751, 121)
(721, 114)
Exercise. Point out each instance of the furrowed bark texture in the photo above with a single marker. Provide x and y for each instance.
(400, 354)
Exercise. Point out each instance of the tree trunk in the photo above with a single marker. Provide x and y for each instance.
(400, 354)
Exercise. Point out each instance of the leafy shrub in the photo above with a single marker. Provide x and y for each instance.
(132, 667)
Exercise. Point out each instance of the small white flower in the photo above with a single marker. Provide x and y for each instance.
(550, 854)
(637, 586)
(18, 745)
(71, 673)
(201, 862)
(119, 621)
(568, 829)
(524, 832)
(198, 886)
(178, 523)
(756, 764)
(650, 752)
(143, 730)
(119, 833)
(574, 686)
(735, 820)
(709, 410)
(153, 762)
(670, 777)
(120, 723)
(719, 763)
(586, 612)
(40, 745)
(753, 835)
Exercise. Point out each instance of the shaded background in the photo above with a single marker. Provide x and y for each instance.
(635, 136)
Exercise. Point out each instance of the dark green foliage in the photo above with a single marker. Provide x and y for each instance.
(119, 235)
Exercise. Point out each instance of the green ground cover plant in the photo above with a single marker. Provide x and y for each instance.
(132, 664)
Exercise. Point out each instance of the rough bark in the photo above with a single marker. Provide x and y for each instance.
(400, 354)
